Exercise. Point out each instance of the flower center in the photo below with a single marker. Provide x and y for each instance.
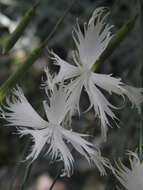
(86, 73)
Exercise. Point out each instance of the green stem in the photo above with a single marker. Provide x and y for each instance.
(16, 34)
(26, 176)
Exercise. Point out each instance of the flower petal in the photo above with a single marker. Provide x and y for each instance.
(63, 153)
(50, 82)
(101, 105)
(135, 95)
(66, 70)
(131, 179)
(58, 107)
(75, 88)
(95, 38)
(108, 83)
(39, 138)
(20, 113)
(86, 149)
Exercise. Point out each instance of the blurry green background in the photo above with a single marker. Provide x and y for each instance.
(125, 62)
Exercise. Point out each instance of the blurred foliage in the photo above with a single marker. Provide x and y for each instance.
(124, 63)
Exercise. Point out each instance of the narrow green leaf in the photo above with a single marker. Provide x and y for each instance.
(117, 38)
(15, 35)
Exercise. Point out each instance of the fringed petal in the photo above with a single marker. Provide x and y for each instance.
(135, 95)
(60, 151)
(95, 38)
(108, 83)
(50, 82)
(131, 179)
(18, 112)
(86, 149)
(75, 89)
(58, 106)
(67, 70)
(39, 139)
(102, 106)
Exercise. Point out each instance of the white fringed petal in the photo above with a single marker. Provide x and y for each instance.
(18, 112)
(39, 139)
(50, 82)
(103, 108)
(108, 83)
(75, 88)
(95, 38)
(135, 95)
(67, 70)
(58, 107)
(86, 149)
(131, 179)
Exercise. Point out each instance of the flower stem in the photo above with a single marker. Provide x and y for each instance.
(26, 176)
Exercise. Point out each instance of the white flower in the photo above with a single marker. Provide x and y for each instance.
(51, 133)
(131, 179)
(90, 45)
